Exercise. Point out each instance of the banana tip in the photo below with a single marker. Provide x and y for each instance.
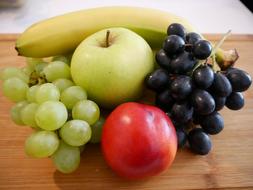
(16, 48)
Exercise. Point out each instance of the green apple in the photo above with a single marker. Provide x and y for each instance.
(111, 65)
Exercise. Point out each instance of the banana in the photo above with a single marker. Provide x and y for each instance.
(62, 34)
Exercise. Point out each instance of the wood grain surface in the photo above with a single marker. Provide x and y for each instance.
(228, 166)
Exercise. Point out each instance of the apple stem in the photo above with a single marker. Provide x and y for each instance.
(107, 38)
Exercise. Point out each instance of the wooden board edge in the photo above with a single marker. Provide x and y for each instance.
(212, 37)
(8, 37)
(233, 37)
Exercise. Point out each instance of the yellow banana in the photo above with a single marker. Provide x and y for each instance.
(62, 34)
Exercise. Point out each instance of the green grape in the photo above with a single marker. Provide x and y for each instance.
(27, 70)
(39, 68)
(51, 115)
(56, 70)
(15, 89)
(46, 92)
(71, 95)
(16, 112)
(10, 72)
(62, 84)
(28, 115)
(76, 132)
(66, 158)
(31, 93)
(32, 62)
(97, 130)
(65, 59)
(41, 144)
(86, 110)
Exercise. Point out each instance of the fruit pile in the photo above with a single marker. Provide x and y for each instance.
(195, 80)
(49, 102)
(191, 88)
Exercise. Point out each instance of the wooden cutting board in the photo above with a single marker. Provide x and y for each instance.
(228, 166)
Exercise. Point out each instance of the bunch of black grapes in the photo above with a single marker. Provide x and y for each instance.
(191, 93)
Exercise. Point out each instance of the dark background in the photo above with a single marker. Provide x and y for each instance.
(249, 4)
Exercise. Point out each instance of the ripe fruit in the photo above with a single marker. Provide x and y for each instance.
(56, 70)
(86, 110)
(15, 89)
(202, 49)
(66, 59)
(162, 59)
(51, 115)
(219, 102)
(62, 84)
(202, 102)
(181, 112)
(41, 144)
(47, 92)
(10, 72)
(192, 38)
(181, 87)
(173, 44)
(240, 80)
(235, 101)
(203, 77)
(111, 65)
(151, 24)
(16, 112)
(31, 93)
(176, 29)
(213, 123)
(164, 100)
(221, 85)
(66, 158)
(28, 114)
(182, 63)
(75, 132)
(39, 106)
(198, 89)
(158, 80)
(138, 140)
(73, 94)
(199, 141)
(181, 137)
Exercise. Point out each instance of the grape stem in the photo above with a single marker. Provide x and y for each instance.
(202, 62)
(218, 45)
(215, 65)
(35, 78)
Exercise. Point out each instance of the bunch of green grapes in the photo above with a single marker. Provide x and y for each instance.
(57, 109)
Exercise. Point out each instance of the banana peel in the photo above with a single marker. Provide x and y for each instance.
(62, 34)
